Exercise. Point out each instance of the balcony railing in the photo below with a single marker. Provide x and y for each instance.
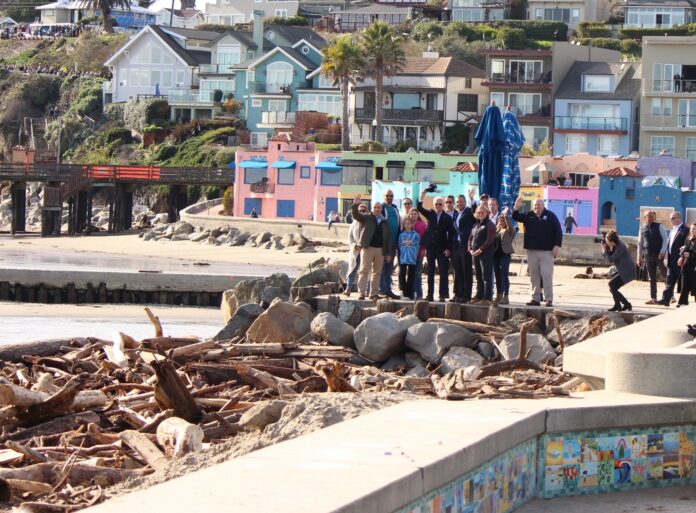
(519, 78)
(682, 85)
(590, 123)
(217, 68)
(262, 188)
(396, 115)
(277, 118)
(524, 110)
(275, 88)
(193, 95)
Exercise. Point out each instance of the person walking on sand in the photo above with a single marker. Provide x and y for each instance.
(569, 222)
(375, 247)
(543, 237)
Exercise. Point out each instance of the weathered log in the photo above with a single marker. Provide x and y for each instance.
(59, 425)
(167, 343)
(55, 406)
(16, 352)
(193, 349)
(27, 451)
(171, 393)
(78, 473)
(24, 486)
(116, 352)
(261, 379)
(151, 426)
(473, 326)
(155, 322)
(178, 437)
(143, 446)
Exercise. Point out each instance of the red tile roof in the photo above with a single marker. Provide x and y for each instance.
(466, 167)
(620, 171)
(284, 137)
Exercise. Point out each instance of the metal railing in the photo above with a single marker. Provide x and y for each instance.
(590, 123)
(276, 87)
(395, 115)
(681, 85)
(194, 95)
(523, 110)
(262, 188)
(217, 68)
(519, 78)
(277, 118)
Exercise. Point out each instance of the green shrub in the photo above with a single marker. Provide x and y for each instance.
(587, 29)
(639, 33)
(295, 21)
(538, 29)
(486, 32)
(164, 152)
(372, 146)
(224, 157)
(123, 135)
(228, 200)
(513, 38)
(602, 42)
(631, 47)
(459, 48)
(426, 30)
(41, 90)
(138, 114)
(463, 30)
(114, 112)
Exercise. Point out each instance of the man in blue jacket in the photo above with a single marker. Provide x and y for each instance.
(543, 237)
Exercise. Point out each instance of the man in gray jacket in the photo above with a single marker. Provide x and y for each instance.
(652, 248)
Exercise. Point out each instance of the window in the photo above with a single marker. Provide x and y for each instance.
(355, 175)
(228, 55)
(576, 143)
(497, 68)
(687, 113)
(539, 14)
(180, 78)
(498, 98)
(256, 103)
(667, 106)
(656, 107)
(574, 16)
(286, 176)
(254, 175)
(305, 172)
(325, 82)
(608, 145)
(597, 83)
(123, 77)
(259, 139)
(424, 174)
(331, 177)
(524, 104)
(664, 77)
(467, 83)
(326, 103)
(467, 103)
(285, 208)
(281, 13)
(535, 135)
(579, 179)
(278, 75)
(654, 17)
(277, 105)
(525, 71)
(691, 148)
(659, 143)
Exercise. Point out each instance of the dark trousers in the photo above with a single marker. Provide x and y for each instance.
(463, 273)
(483, 264)
(437, 256)
(652, 263)
(501, 269)
(673, 272)
(407, 273)
(614, 285)
(688, 285)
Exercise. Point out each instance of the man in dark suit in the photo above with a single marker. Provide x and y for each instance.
(677, 239)
(437, 242)
(462, 223)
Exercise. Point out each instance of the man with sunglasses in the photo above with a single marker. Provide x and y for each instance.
(675, 242)
(437, 241)
(391, 213)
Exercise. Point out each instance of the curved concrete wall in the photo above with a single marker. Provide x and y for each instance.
(669, 372)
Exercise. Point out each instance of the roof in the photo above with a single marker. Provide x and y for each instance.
(186, 13)
(190, 57)
(465, 167)
(378, 9)
(295, 34)
(205, 35)
(244, 37)
(621, 171)
(440, 66)
(75, 5)
(284, 137)
(290, 52)
(628, 87)
(689, 4)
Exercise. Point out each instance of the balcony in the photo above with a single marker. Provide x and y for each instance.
(277, 118)
(193, 96)
(275, 88)
(518, 80)
(676, 87)
(591, 124)
(220, 69)
(262, 188)
(524, 111)
(408, 116)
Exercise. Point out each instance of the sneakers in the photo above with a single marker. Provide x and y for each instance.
(533, 302)
(651, 302)
(549, 304)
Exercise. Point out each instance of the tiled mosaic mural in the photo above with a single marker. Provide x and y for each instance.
(500, 485)
(608, 461)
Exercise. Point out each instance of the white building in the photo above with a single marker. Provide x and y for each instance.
(231, 12)
(187, 18)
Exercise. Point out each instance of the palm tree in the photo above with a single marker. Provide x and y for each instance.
(385, 58)
(106, 6)
(342, 62)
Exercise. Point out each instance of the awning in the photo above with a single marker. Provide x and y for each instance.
(396, 163)
(253, 164)
(231, 165)
(328, 166)
(283, 164)
(355, 163)
(425, 164)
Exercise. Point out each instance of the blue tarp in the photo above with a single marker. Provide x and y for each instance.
(491, 138)
(232, 165)
(328, 166)
(253, 164)
(510, 187)
(283, 164)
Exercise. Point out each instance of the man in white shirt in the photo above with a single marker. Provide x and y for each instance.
(677, 239)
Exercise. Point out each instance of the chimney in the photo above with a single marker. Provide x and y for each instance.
(258, 31)
(430, 53)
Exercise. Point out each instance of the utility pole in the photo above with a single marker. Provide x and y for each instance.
(171, 15)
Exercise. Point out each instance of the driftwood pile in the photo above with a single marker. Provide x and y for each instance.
(83, 414)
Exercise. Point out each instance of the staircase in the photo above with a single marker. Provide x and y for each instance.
(71, 188)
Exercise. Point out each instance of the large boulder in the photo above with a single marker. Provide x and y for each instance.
(317, 277)
(349, 312)
(328, 327)
(433, 339)
(380, 336)
(408, 320)
(240, 322)
(540, 351)
(251, 291)
(282, 322)
(577, 330)
(460, 358)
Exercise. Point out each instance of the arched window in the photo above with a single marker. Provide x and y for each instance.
(278, 75)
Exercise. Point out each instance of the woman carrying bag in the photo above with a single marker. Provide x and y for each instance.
(617, 253)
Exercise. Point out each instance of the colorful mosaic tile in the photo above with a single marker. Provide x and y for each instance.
(608, 461)
(499, 486)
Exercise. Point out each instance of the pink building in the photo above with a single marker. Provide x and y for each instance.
(288, 180)
(581, 202)
(580, 168)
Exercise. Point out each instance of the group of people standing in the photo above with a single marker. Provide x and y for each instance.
(475, 237)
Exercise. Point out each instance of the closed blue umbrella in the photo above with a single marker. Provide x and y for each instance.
(514, 139)
(491, 139)
(157, 89)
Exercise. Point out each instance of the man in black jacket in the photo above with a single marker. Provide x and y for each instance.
(677, 239)
(462, 223)
(436, 240)
(543, 237)
(652, 248)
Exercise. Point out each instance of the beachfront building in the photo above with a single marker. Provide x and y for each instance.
(657, 13)
(179, 18)
(570, 12)
(233, 12)
(429, 94)
(595, 109)
(668, 98)
(287, 180)
(477, 10)
(72, 11)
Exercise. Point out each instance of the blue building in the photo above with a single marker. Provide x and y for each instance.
(595, 109)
